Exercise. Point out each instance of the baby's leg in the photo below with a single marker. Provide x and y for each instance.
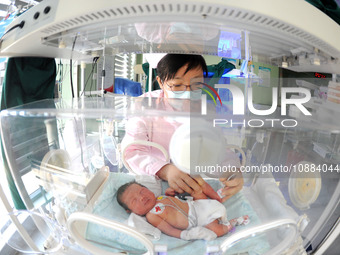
(219, 229)
(243, 220)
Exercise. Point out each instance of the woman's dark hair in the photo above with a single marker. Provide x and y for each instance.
(169, 65)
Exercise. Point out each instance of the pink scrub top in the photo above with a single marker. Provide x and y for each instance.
(147, 159)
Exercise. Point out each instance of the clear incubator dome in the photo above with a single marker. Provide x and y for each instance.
(259, 138)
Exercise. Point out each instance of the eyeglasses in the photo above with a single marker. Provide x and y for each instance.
(180, 88)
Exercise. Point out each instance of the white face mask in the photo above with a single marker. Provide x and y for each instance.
(193, 95)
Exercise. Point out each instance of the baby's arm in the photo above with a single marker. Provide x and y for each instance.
(162, 225)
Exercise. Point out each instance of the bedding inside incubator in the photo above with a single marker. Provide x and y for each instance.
(78, 154)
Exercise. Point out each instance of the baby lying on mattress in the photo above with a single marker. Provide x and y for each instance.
(198, 219)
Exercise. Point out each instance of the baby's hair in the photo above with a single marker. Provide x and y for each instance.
(121, 191)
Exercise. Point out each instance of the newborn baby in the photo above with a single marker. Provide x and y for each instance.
(198, 219)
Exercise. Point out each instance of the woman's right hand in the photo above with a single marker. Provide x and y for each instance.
(178, 180)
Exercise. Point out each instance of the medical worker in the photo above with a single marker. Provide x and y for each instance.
(180, 76)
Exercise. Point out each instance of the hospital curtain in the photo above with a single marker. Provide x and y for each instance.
(155, 84)
(27, 79)
(219, 69)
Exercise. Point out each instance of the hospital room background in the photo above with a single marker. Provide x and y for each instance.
(63, 158)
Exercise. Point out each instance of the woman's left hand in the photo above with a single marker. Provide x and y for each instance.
(232, 186)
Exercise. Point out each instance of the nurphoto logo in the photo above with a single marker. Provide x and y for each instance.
(239, 105)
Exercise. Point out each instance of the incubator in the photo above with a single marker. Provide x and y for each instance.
(286, 197)
(281, 133)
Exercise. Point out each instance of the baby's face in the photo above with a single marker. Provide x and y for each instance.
(139, 200)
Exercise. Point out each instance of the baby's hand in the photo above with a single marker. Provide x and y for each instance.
(170, 192)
